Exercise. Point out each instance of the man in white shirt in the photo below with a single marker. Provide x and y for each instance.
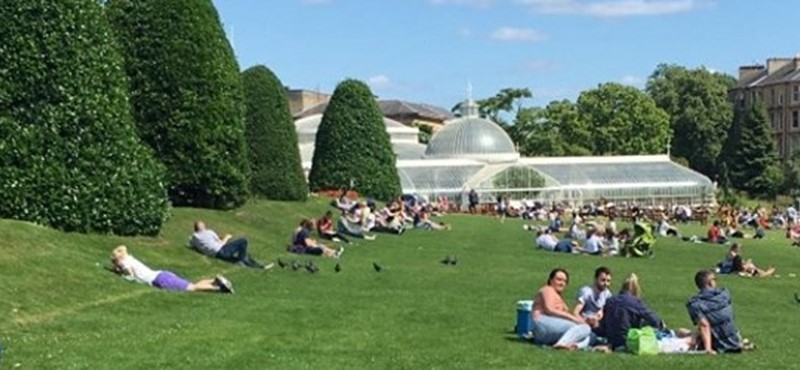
(593, 245)
(592, 298)
(546, 240)
(207, 241)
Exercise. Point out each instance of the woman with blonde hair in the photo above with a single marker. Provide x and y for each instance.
(133, 269)
(626, 311)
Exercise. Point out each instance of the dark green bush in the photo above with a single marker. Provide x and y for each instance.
(353, 147)
(69, 154)
(271, 138)
(187, 97)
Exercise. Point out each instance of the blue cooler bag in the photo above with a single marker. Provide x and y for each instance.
(524, 321)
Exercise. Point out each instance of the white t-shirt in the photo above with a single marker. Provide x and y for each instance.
(547, 242)
(206, 241)
(141, 272)
(593, 301)
(592, 245)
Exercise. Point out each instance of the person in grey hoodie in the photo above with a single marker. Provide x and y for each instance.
(711, 309)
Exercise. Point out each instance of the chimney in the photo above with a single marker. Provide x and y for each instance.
(774, 64)
(797, 62)
(748, 72)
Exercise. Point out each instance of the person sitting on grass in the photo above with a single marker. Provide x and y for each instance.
(326, 231)
(553, 323)
(303, 243)
(625, 311)
(350, 223)
(735, 264)
(711, 310)
(593, 245)
(207, 241)
(132, 269)
(422, 220)
(592, 298)
(715, 234)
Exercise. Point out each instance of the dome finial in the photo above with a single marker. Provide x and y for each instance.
(469, 108)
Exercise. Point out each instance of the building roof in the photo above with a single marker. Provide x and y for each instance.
(787, 73)
(394, 108)
(471, 137)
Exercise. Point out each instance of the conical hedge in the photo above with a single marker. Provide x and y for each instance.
(353, 147)
(187, 96)
(69, 154)
(271, 138)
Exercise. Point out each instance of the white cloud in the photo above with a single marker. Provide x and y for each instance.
(380, 82)
(517, 34)
(476, 3)
(632, 80)
(611, 8)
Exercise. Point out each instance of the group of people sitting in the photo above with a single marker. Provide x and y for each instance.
(601, 320)
(597, 239)
(359, 218)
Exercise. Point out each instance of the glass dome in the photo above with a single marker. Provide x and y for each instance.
(472, 137)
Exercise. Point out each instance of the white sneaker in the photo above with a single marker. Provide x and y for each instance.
(369, 237)
(339, 252)
(269, 266)
(224, 284)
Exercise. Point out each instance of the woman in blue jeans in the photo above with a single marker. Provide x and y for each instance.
(553, 323)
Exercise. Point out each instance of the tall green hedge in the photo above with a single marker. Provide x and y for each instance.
(271, 138)
(187, 96)
(353, 147)
(69, 154)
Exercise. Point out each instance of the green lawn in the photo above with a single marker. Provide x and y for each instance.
(61, 310)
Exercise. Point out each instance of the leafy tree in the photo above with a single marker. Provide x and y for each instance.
(751, 159)
(353, 147)
(69, 154)
(187, 96)
(700, 113)
(508, 100)
(271, 138)
(425, 133)
(623, 120)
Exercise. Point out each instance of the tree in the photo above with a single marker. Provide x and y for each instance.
(505, 101)
(271, 137)
(353, 147)
(69, 155)
(751, 161)
(700, 113)
(187, 97)
(623, 121)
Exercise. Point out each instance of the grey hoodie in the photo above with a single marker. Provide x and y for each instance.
(715, 306)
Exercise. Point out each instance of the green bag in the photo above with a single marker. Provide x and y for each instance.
(642, 341)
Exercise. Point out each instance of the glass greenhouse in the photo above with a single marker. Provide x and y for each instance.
(474, 153)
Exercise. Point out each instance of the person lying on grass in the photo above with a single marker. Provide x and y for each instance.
(735, 264)
(207, 241)
(303, 243)
(553, 323)
(133, 269)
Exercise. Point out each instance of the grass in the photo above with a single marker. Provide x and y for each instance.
(60, 310)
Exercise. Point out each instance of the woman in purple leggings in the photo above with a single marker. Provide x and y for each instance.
(133, 269)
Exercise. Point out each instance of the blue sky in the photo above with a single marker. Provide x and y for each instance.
(428, 50)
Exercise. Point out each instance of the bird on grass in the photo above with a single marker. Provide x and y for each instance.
(377, 267)
(295, 266)
(281, 263)
(797, 297)
(454, 261)
(337, 268)
(446, 260)
(311, 267)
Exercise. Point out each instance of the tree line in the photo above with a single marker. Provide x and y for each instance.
(112, 112)
(681, 111)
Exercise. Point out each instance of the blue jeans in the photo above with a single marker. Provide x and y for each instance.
(555, 331)
(236, 251)
(564, 245)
